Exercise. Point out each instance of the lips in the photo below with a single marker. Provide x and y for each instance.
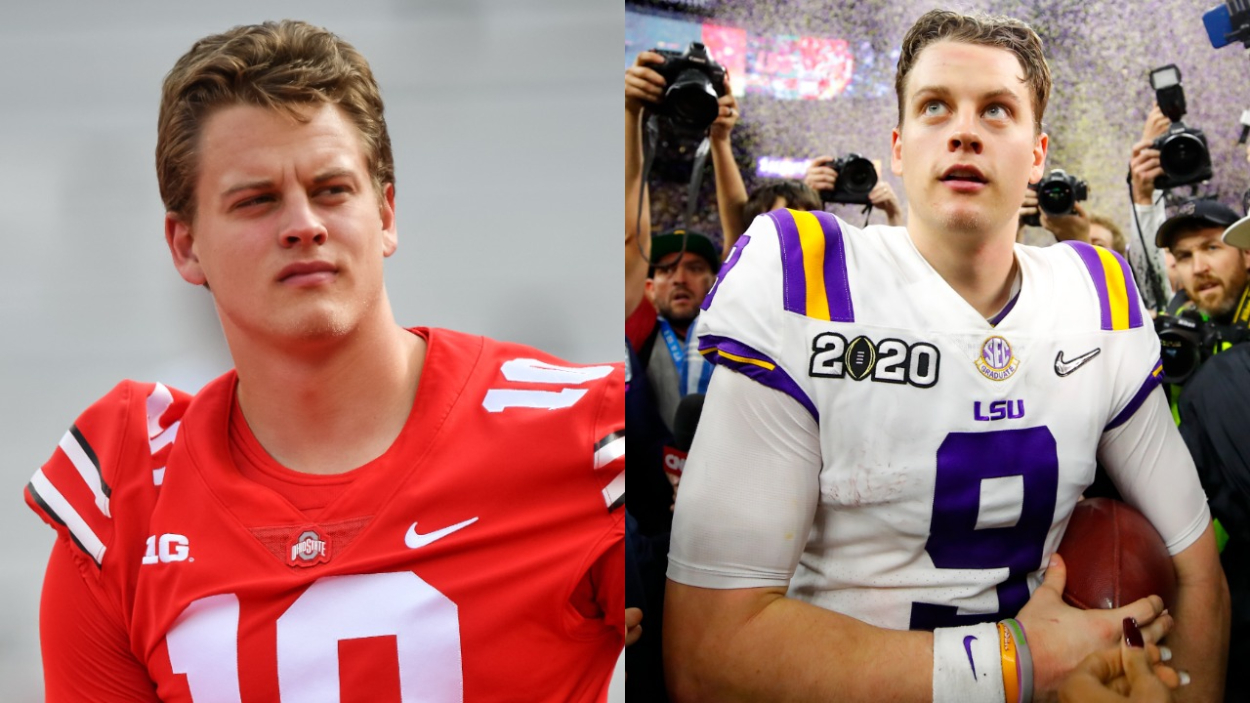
(965, 173)
(307, 272)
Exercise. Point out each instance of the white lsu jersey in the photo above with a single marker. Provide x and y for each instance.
(952, 450)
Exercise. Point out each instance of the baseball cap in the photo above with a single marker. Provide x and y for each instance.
(1208, 213)
(696, 243)
(1238, 234)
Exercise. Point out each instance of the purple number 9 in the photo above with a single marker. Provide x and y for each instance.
(964, 460)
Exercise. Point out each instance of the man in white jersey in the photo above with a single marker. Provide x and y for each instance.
(909, 416)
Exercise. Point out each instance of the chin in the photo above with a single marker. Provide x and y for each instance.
(965, 220)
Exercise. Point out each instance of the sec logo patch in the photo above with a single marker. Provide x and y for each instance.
(997, 362)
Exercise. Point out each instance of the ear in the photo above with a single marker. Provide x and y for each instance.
(1039, 157)
(390, 235)
(649, 289)
(182, 248)
(896, 153)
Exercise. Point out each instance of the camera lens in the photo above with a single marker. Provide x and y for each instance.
(692, 99)
(1182, 156)
(1179, 355)
(1055, 198)
(858, 176)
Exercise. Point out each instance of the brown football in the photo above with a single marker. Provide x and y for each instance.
(1114, 557)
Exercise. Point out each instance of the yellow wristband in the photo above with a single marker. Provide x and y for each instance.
(1011, 680)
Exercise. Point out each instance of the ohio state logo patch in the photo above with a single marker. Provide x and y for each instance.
(997, 362)
(309, 549)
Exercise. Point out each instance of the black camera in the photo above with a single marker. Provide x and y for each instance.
(1186, 340)
(1057, 194)
(693, 84)
(1183, 152)
(856, 179)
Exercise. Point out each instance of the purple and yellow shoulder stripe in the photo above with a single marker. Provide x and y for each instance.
(1152, 381)
(754, 364)
(1113, 279)
(813, 265)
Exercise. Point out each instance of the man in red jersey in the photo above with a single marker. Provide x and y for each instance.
(357, 511)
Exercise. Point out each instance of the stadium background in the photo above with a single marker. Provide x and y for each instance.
(818, 78)
(501, 114)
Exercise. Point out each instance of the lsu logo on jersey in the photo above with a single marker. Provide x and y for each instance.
(997, 362)
(998, 410)
(887, 361)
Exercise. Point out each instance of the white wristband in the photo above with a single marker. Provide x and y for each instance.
(967, 665)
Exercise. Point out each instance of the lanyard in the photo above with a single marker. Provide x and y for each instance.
(1241, 318)
(682, 357)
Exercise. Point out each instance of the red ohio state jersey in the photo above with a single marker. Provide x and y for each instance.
(482, 560)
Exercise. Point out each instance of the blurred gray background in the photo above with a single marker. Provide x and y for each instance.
(500, 114)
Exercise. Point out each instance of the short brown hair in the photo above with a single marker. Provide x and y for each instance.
(798, 195)
(983, 30)
(1118, 243)
(284, 66)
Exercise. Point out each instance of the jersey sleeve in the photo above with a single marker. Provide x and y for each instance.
(1128, 333)
(749, 490)
(1140, 445)
(84, 641)
(609, 441)
(125, 435)
(789, 266)
(1150, 465)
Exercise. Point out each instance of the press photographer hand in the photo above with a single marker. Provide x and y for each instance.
(728, 115)
(820, 175)
(1073, 227)
(883, 198)
(1029, 207)
(1144, 163)
(643, 85)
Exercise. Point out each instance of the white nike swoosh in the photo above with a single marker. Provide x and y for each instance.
(1063, 367)
(415, 541)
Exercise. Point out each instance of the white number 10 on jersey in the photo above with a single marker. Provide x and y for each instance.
(203, 642)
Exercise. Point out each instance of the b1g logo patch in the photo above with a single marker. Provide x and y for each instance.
(887, 361)
(309, 549)
(997, 362)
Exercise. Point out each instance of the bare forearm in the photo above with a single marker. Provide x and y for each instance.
(779, 649)
(637, 222)
(731, 192)
(1199, 641)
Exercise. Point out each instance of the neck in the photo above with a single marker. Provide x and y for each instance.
(679, 327)
(332, 406)
(980, 267)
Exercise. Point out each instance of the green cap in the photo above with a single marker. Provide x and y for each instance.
(675, 240)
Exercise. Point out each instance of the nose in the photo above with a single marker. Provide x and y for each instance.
(1202, 262)
(300, 223)
(965, 137)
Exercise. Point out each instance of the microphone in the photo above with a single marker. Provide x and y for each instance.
(685, 422)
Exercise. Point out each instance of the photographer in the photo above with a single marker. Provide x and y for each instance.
(1212, 273)
(821, 176)
(1074, 227)
(1148, 213)
(664, 287)
(1212, 407)
(644, 88)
